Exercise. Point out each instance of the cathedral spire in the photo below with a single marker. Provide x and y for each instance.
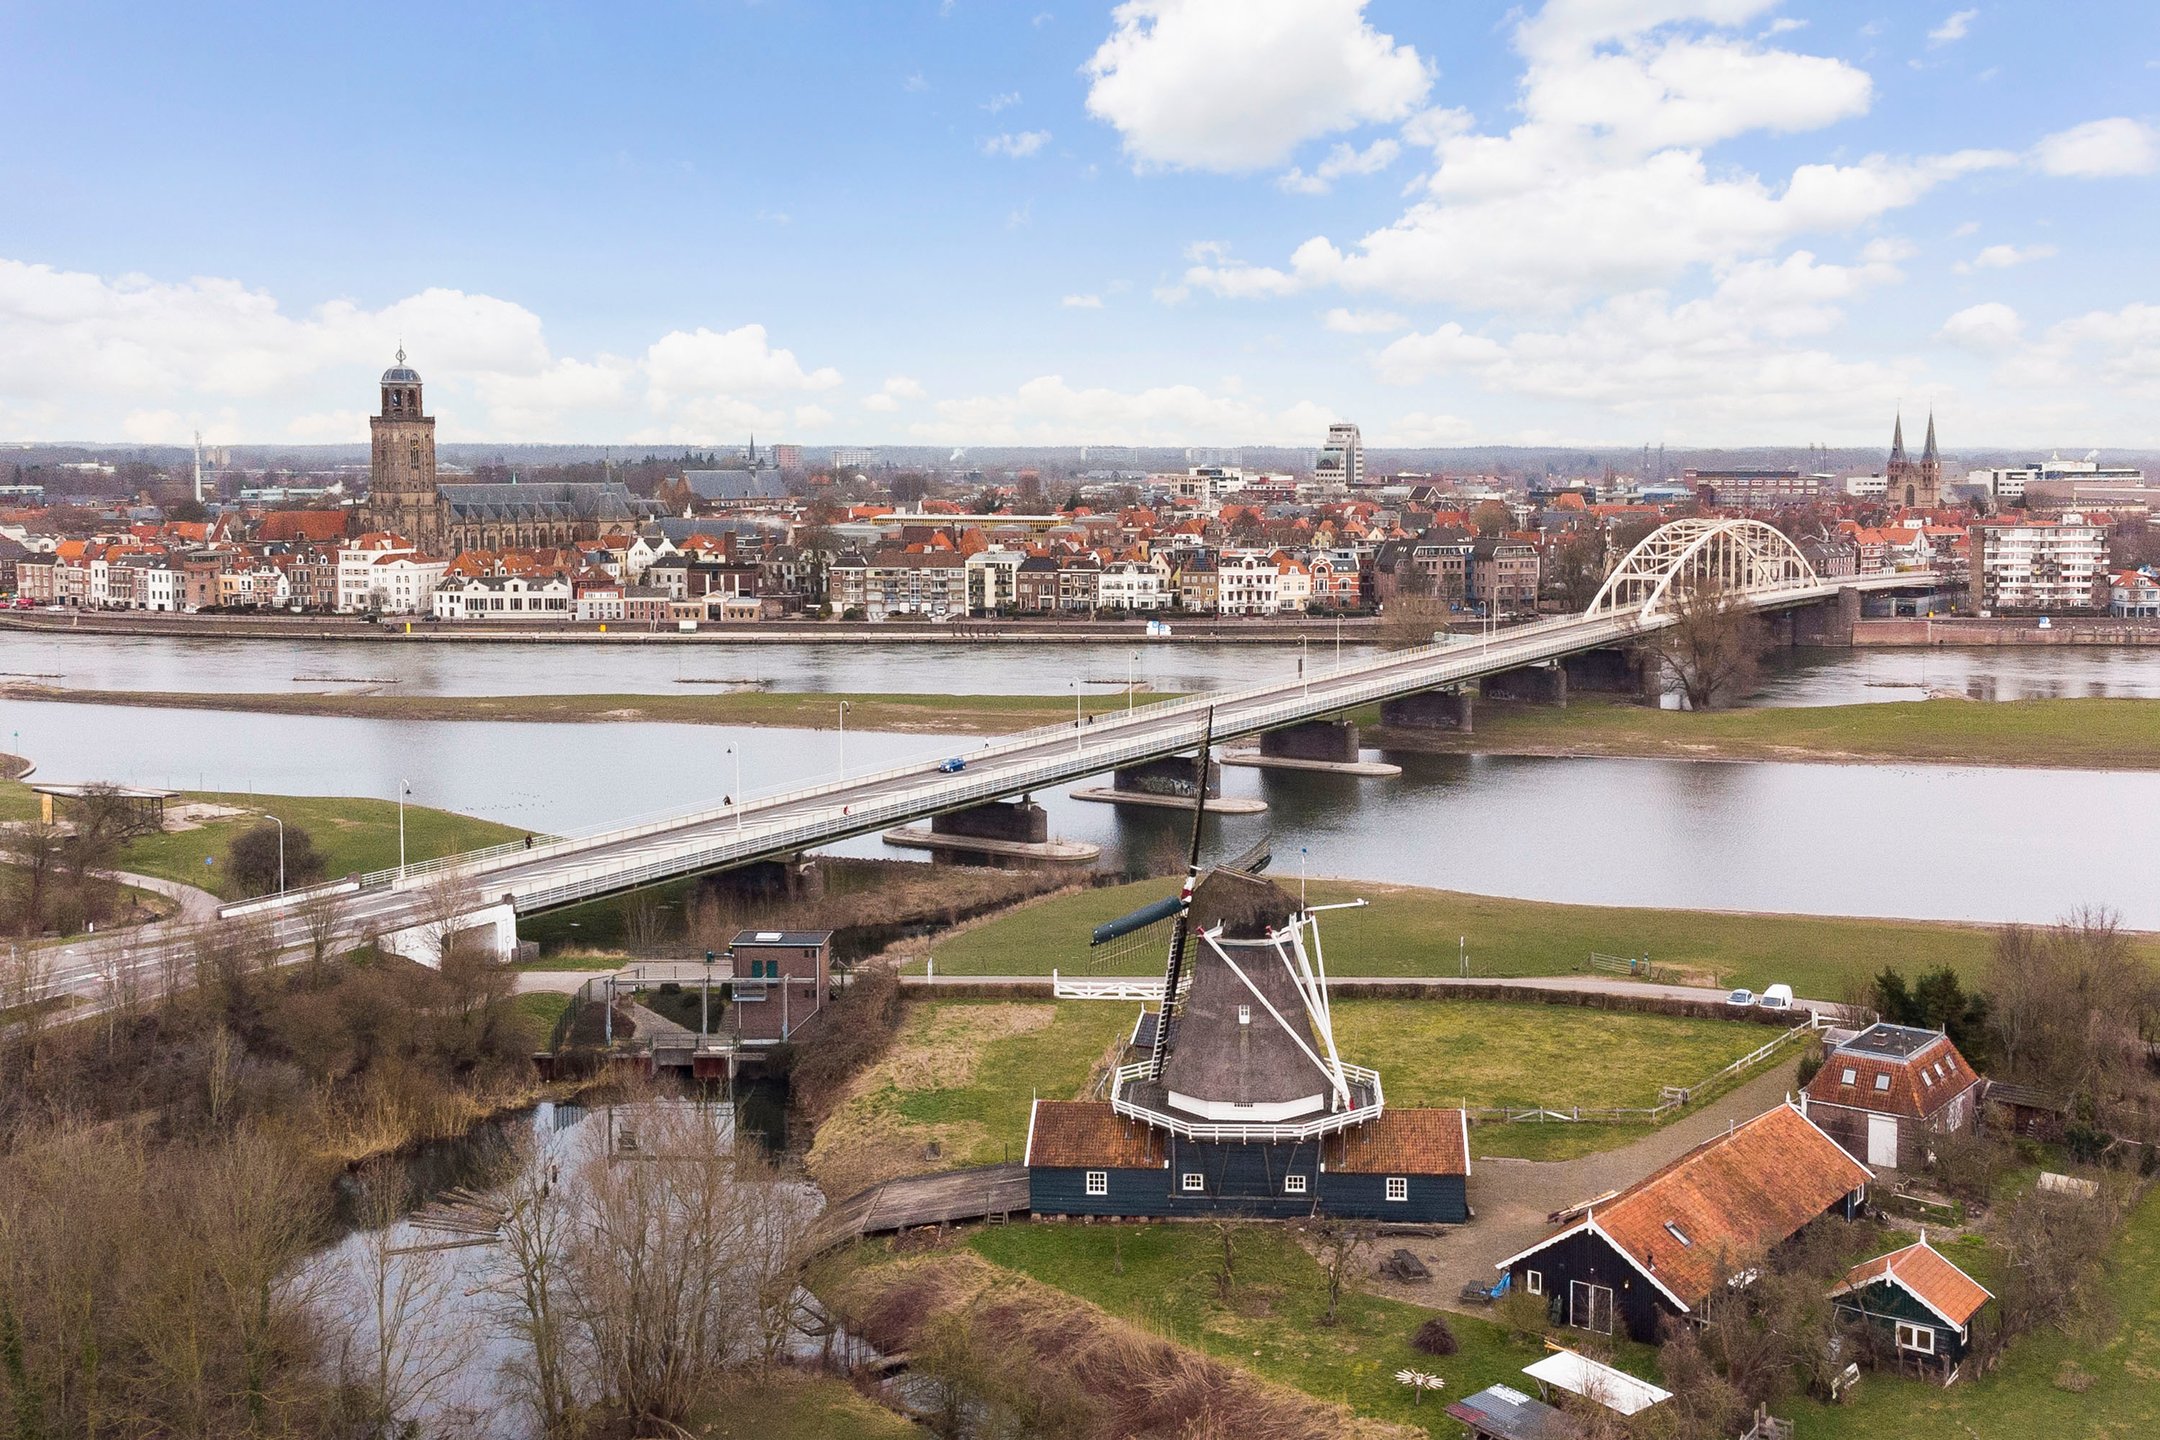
(1897, 441)
(1927, 455)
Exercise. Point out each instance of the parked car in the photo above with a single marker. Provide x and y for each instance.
(1741, 998)
(953, 766)
(1776, 997)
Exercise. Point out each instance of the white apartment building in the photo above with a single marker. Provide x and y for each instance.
(500, 597)
(1342, 458)
(2039, 565)
(1867, 487)
(990, 583)
(381, 572)
(1133, 585)
(1247, 582)
(1204, 485)
(2010, 482)
(158, 587)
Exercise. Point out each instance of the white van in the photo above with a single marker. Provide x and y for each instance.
(1776, 997)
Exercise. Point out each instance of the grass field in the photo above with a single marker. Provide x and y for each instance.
(2082, 733)
(1162, 1277)
(975, 714)
(1411, 931)
(961, 1073)
(2022, 1400)
(794, 1405)
(353, 834)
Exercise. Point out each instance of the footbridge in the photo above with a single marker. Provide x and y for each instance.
(410, 908)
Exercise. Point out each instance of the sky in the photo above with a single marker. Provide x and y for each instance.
(1160, 222)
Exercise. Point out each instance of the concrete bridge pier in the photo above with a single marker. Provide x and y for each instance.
(1540, 684)
(1611, 672)
(1827, 622)
(1431, 710)
(792, 877)
(1168, 783)
(491, 929)
(1005, 829)
(1328, 745)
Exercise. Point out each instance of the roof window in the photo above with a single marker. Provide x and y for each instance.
(1882, 1082)
(1678, 1234)
(1849, 1076)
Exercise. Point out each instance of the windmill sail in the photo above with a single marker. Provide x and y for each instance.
(1173, 969)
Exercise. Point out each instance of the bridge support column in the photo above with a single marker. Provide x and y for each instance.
(1828, 622)
(1611, 672)
(1332, 742)
(1431, 710)
(1020, 821)
(1170, 777)
(490, 930)
(798, 877)
(1003, 829)
(1541, 684)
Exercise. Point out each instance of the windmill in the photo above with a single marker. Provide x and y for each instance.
(1174, 968)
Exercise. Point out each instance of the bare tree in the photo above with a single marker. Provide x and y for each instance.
(397, 1355)
(326, 919)
(644, 923)
(1340, 1245)
(532, 1296)
(1714, 647)
(1410, 621)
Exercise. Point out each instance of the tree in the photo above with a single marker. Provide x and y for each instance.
(326, 918)
(1714, 645)
(909, 487)
(532, 1303)
(1491, 517)
(1578, 569)
(2072, 1006)
(1339, 1245)
(252, 859)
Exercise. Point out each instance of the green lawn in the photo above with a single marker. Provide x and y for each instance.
(1412, 931)
(2020, 1400)
(1162, 1277)
(961, 1073)
(353, 834)
(2086, 733)
(540, 1010)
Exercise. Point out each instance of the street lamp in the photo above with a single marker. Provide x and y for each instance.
(1304, 671)
(404, 788)
(843, 739)
(738, 787)
(1076, 715)
(1129, 662)
(281, 850)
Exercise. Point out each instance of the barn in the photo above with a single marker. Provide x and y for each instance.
(1884, 1092)
(1657, 1248)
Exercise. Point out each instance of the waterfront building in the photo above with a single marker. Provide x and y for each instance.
(2036, 566)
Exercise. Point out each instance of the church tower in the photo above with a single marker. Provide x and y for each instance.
(401, 465)
(1915, 484)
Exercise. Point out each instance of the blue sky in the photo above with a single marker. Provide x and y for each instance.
(1609, 222)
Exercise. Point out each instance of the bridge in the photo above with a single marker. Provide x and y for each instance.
(414, 909)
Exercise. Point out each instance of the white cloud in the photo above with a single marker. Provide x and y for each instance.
(915, 84)
(1363, 322)
(1082, 302)
(1785, 25)
(1001, 101)
(893, 393)
(1236, 85)
(2100, 149)
(812, 416)
(1420, 428)
(1049, 411)
(1953, 28)
(1016, 147)
(1991, 326)
(87, 356)
(2002, 257)
(1343, 159)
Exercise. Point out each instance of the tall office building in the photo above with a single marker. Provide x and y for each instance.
(1342, 458)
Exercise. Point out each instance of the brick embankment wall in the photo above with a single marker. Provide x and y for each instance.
(2007, 630)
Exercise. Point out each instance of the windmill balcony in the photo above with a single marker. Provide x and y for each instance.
(1136, 1097)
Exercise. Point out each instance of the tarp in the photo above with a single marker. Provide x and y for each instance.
(1577, 1374)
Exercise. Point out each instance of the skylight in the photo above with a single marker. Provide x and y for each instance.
(1677, 1234)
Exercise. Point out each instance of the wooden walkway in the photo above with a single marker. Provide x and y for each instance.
(982, 1193)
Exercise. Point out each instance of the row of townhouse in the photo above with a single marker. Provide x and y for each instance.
(1492, 574)
(947, 583)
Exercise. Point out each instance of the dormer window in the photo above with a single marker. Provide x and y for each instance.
(1244, 1014)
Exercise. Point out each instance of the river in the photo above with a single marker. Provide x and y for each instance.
(1925, 841)
(1805, 677)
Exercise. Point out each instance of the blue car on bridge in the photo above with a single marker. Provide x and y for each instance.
(953, 766)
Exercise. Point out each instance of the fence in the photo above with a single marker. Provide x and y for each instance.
(1635, 967)
(1671, 1098)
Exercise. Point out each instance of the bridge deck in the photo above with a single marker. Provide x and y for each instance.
(950, 1195)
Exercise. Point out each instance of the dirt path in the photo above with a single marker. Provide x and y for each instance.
(1513, 1197)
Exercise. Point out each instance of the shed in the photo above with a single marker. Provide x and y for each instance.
(1501, 1412)
(1918, 1302)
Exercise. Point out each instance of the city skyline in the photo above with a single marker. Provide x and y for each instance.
(1696, 222)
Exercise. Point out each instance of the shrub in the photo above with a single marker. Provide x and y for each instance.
(252, 859)
(1435, 1337)
(1811, 1062)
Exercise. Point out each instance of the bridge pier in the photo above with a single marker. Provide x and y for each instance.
(1828, 622)
(1431, 710)
(1007, 829)
(797, 877)
(1168, 783)
(491, 929)
(1329, 745)
(1611, 672)
(1539, 684)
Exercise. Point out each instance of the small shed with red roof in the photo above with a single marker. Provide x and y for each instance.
(1920, 1304)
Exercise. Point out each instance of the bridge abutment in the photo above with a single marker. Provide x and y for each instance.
(797, 877)
(490, 929)
(1332, 746)
(1169, 783)
(1431, 710)
(1002, 829)
(1611, 672)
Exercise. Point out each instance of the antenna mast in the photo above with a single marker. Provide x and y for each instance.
(1181, 927)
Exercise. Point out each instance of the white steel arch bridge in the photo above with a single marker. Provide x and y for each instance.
(1751, 560)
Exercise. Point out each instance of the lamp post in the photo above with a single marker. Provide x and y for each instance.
(404, 788)
(1076, 715)
(738, 791)
(281, 850)
(704, 1022)
(1304, 671)
(1130, 660)
(843, 739)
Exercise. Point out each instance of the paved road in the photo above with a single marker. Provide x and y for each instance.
(196, 904)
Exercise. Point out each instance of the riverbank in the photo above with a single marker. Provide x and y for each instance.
(2082, 734)
(1207, 629)
(904, 714)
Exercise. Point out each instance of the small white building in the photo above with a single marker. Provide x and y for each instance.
(1247, 582)
(1133, 585)
(504, 597)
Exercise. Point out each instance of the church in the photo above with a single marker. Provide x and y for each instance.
(406, 497)
(1915, 484)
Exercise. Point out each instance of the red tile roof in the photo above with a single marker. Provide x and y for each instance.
(1918, 1085)
(1403, 1142)
(1072, 1134)
(1733, 1198)
(1922, 1272)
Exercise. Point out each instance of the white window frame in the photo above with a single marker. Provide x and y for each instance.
(1293, 1184)
(1533, 1282)
(1882, 1084)
(1583, 1306)
(1850, 1076)
(1915, 1339)
(1098, 1182)
(1398, 1187)
(1193, 1182)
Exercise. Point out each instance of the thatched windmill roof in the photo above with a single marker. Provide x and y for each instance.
(1215, 1056)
